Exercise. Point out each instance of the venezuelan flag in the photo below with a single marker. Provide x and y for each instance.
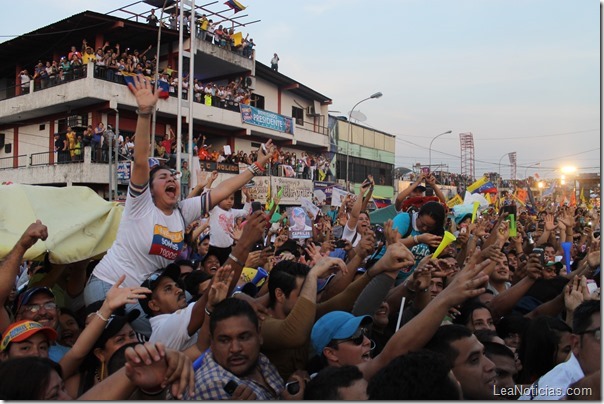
(477, 184)
(235, 5)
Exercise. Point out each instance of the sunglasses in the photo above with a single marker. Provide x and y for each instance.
(357, 338)
(596, 332)
(34, 308)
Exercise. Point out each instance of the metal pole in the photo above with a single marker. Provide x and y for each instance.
(179, 92)
(154, 118)
(110, 150)
(499, 172)
(430, 148)
(117, 131)
(191, 91)
(375, 95)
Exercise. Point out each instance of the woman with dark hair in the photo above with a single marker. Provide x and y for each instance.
(421, 231)
(31, 378)
(547, 343)
(70, 327)
(475, 316)
(151, 232)
(151, 366)
(118, 332)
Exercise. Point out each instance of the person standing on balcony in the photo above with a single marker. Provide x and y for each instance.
(97, 140)
(152, 18)
(151, 231)
(25, 79)
(71, 142)
(275, 63)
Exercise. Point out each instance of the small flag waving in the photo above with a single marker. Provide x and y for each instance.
(235, 5)
(489, 187)
(477, 184)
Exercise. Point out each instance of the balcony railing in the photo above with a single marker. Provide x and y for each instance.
(39, 84)
(9, 162)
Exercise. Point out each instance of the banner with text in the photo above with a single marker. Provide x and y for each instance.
(266, 119)
(293, 189)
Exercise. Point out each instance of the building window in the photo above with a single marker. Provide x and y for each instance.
(257, 101)
(298, 115)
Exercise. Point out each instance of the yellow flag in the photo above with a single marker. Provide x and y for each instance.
(477, 184)
(456, 200)
(237, 38)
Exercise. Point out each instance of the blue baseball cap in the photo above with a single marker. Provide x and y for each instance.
(298, 212)
(335, 325)
(26, 296)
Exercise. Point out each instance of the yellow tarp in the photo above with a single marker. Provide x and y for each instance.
(80, 223)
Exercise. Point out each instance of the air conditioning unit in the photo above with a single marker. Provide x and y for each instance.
(310, 110)
(250, 82)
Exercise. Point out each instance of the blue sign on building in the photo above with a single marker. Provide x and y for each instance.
(266, 119)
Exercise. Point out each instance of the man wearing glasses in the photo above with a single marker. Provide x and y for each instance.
(584, 360)
(38, 304)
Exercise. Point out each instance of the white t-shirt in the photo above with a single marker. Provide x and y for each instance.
(553, 384)
(171, 329)
(221, 220)
(147, 239)
(349, 235)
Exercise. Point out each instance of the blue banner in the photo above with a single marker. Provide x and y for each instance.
(266, 119)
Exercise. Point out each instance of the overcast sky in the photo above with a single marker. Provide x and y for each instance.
(521, 75)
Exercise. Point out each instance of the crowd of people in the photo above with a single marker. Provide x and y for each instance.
(209, 31)
(197, 299)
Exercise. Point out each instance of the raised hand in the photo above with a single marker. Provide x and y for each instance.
(143, 91)
(34, 232)
(220, 286)
(575, 293)
(254, 228)
(534, 269)
(396, 257)
(468, 283)
(263, 158)
(328, 264)
(118, 297)
(549, 223)
(391, 235)
(313, 252)
(152, 367)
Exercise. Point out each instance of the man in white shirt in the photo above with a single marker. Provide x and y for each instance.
(585, 358)
(173, 322)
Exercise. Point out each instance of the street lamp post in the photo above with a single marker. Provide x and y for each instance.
(376, 95)
(430, 148)
(499, 171)
(532, 165)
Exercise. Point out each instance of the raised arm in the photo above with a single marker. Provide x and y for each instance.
(398, 203)
(431, 180)
(116, 298)
(418, 331)
(9, 268)
(227, 187)
(357, 206)
(146, 101)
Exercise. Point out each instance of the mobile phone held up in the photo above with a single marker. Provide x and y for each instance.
(256, 206)
(230, 387)
(293, 388)
(541, 253)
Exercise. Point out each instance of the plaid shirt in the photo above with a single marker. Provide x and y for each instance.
(210, 379)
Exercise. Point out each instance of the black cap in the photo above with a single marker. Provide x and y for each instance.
(114, 325)
(172, 271)
(420, 188)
